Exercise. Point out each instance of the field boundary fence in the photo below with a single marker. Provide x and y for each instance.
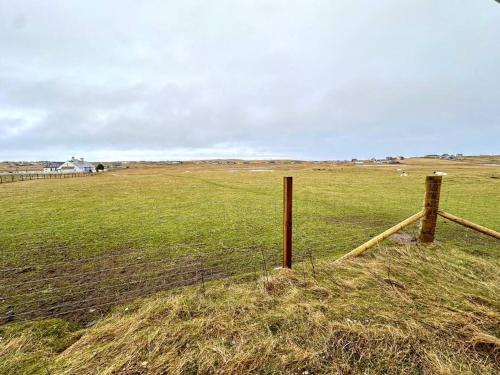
(50, 280)
(427, 216)
(19, 177)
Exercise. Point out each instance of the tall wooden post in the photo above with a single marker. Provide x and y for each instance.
(431, 207)
(287, 221)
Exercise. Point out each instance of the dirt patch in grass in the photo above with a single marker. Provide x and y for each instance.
(404, 238)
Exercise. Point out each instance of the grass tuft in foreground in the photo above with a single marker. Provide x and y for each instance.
(400, 310)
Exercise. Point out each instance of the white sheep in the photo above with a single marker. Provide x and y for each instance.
(437, 173)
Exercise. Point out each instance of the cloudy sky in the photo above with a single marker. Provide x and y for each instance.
(332, 79)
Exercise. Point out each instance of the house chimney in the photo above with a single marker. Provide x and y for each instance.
(73, 158)
(81, 159)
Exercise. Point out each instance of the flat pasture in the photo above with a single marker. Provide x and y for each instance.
(73, 245)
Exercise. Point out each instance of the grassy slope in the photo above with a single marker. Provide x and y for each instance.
(414, 310)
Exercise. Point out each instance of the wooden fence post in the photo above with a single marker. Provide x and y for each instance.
(431, 207)
(287, 221)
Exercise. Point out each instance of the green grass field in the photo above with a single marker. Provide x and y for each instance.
(80, 239)
(74, 250)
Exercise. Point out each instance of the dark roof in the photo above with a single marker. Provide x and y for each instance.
(53, 164)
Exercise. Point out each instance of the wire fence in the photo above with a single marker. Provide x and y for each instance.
(30, 176)
(76, 248)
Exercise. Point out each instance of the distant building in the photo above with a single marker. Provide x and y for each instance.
(51, 167)
(76, 166)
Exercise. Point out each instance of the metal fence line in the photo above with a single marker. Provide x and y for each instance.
(55, 268)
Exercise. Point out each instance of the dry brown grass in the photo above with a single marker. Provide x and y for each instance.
(402, 310)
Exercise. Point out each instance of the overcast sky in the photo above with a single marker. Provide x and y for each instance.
(333, 79)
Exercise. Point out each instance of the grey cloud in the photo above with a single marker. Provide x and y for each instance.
(311, 79)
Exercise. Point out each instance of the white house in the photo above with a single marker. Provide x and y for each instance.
(51, 167)
(76, 166)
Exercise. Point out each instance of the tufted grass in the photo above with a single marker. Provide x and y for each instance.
(399, 310)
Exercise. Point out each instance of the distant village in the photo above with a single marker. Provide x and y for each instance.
(446, 157)
(398, 159)
(80, 165)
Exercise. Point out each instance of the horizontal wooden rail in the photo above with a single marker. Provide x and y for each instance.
(470, 224)
(382, 236)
